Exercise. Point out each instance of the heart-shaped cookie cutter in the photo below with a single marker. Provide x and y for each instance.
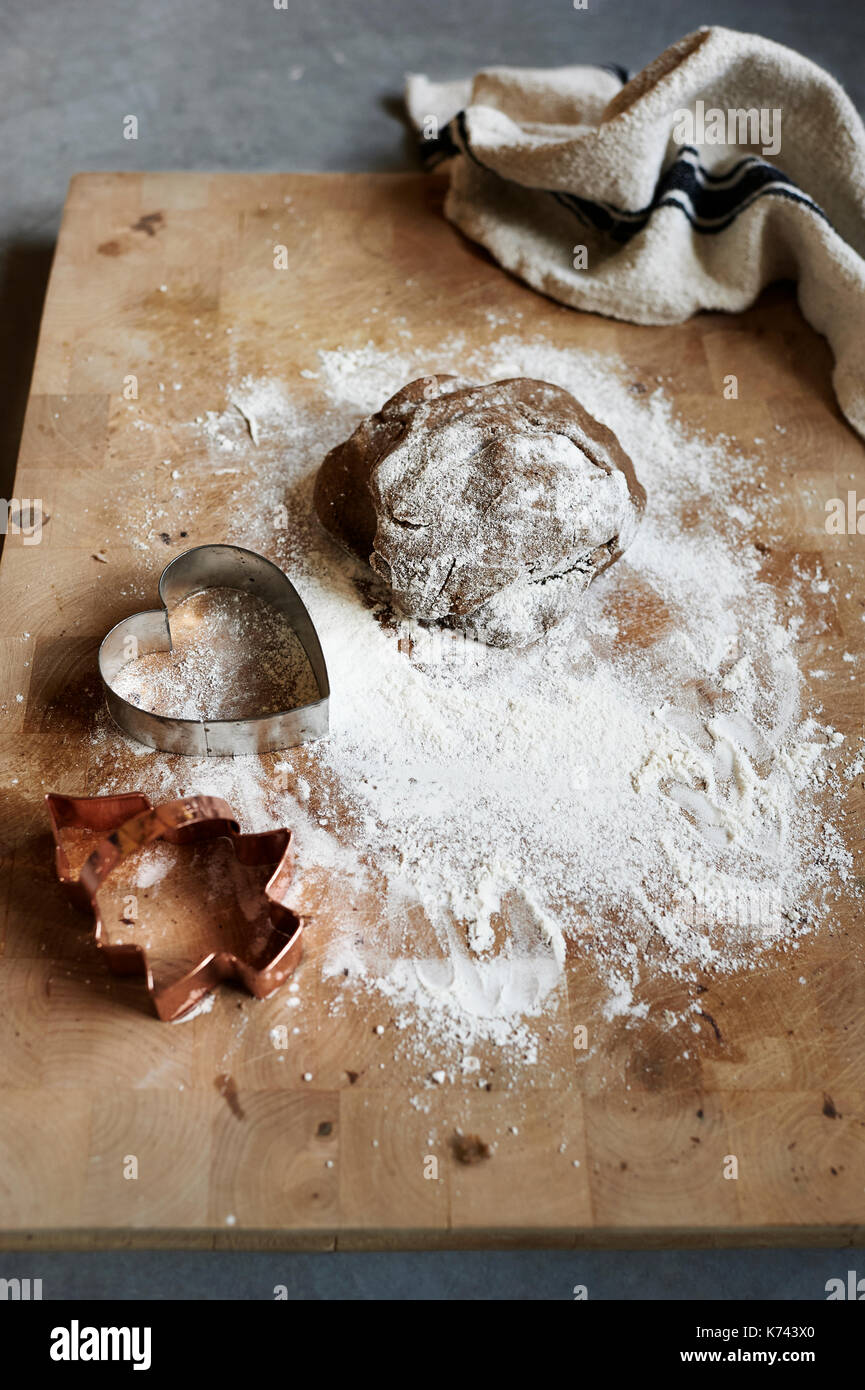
(192, 572)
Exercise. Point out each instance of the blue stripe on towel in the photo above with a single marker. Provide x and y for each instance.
(710, 201)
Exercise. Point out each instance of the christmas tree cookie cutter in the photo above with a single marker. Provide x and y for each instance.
(128, 823)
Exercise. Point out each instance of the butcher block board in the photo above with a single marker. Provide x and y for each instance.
(233, 1146)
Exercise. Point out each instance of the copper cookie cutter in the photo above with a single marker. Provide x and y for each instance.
(192, 572)
(129, 822)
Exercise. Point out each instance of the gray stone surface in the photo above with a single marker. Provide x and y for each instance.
(529, 1275)
(239, 84)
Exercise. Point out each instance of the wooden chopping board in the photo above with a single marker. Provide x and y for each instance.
(232, 1146)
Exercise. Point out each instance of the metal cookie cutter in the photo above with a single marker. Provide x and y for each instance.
(215, 567)
(129, 822)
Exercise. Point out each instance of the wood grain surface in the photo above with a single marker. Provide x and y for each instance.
(233, 1147)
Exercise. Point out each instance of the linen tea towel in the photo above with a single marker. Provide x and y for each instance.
(729, 162)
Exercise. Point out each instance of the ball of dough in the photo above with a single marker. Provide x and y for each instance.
(489, 508)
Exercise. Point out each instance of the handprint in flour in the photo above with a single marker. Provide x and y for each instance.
(716, 765)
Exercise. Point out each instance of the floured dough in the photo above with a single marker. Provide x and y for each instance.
(489, 508)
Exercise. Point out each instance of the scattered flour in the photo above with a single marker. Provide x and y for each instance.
(153, 864)
(639, 792)
(232, 657)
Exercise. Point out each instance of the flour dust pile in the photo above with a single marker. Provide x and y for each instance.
(232, 657)
(639, 794)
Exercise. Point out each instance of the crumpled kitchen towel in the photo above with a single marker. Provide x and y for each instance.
(542, 162)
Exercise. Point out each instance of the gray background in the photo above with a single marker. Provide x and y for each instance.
(237, 84)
